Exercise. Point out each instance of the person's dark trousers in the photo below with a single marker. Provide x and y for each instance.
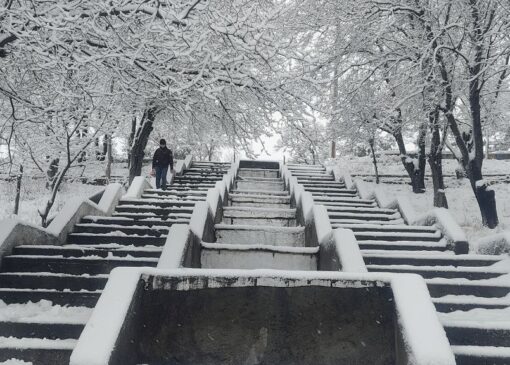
(161, 177)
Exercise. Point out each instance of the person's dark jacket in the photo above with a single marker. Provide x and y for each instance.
(163, 157)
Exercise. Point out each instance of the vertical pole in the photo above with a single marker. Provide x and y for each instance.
(333, 149)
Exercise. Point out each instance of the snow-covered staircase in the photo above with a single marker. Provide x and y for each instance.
(47, 292)
(471, 292)
(259, 227)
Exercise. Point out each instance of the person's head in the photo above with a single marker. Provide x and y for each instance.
(162, 143)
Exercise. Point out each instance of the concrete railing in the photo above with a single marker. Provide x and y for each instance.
(14, 232)
(440, 217)
(338, 249)
(407, 318)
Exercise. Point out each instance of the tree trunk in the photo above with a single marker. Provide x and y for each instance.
(374, 159)
(436, 163)
(18, 189)
(52, 172)
(131, 138)
(108, 171)
(333, 149)
(416, 172)
(140, 142)
(485, 196)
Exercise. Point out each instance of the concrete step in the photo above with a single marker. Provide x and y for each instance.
(443, 287)
(92, 250)
(204, 172)
(310, 179)
(37, 352)
(63, 298)
(154, 231)
(243, 256)
(150, 209)
(52, 331)
(331, 189)
(147, 216)
(254, 172)
(75, 266)
(466, 303)
(47, 280)
(171, 192)
(340, 223)
(265, 235)
(136, 220)
(481, 355)
(187, 187)
(254, 200)
(326, 184)
(344, 202)
(371, 235)
(196, 179)
(338, 217)
(474, 334)
(259, 185)
(402, 245)
(390, 228)
(261, 192)
(175, 197)
(311, 173)
(156, 203)
(259, 216)
(430, 260)
(121, 239)
(429, 272)
(319, 194)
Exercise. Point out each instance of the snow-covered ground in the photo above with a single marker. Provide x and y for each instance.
(34, 196)
(461, 199)
(391, 165)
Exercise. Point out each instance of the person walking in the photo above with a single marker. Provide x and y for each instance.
(163, 158)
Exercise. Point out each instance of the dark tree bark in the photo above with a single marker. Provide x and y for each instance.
(436, 162)
(140, 142)
(131, 138)
(18, 189)
(371, 142)
(416, 172)
(109, 157)
(52, 173)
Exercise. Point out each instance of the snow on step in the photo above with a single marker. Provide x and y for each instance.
(482, 351)
(478, 318)
(36, 343)
(43, 311)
